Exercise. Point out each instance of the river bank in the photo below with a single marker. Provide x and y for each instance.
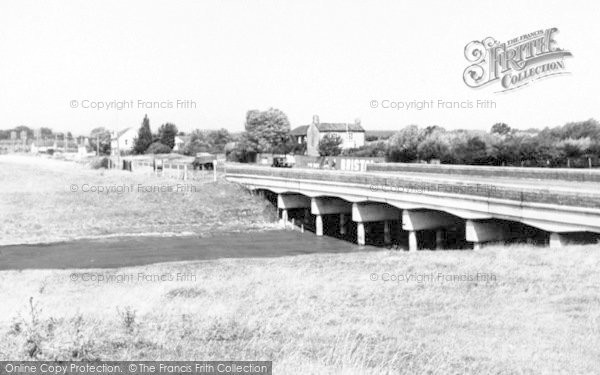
(44, 200)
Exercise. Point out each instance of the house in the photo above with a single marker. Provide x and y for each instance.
(353, 135)
(180, 141)
(123, 140)
(299, 134)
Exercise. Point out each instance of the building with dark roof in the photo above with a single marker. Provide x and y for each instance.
(352, 134)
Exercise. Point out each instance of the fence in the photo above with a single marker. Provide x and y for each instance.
(176, 170)
(342, 163)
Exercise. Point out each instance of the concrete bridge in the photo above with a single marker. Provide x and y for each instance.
(471, 202)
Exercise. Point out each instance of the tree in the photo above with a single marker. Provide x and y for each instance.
(46, 133)
(144, 138)
(501, 129)
(158, 148)
(266, 130)
(198, 143)
(330, 145)
(28, 131)
(218, 139)
(166, 134)
(212, 141)
(434, 146)
(403, 145)
(101, 135)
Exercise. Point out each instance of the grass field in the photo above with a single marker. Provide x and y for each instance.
(526, 311)
(38, 205)
(537, 312)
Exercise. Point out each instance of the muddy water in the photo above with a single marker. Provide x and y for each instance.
(132, 251)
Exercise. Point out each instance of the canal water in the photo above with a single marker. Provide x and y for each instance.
(132, 251)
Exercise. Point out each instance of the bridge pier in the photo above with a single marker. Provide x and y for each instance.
(360, 234)
(480, 232)
(369, 212)
(287, 202)
(319, 225)
(343, 223)
(440, 235)
(387, 232)
(557, 240)
(413, 244)
(329, 206)
(416, 220)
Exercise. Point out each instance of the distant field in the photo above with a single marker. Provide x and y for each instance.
(37, 204)
(322, 314)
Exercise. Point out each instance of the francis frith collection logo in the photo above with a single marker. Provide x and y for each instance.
(515, 63)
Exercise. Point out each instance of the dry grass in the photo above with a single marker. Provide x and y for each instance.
(36, 204)
(322, 313)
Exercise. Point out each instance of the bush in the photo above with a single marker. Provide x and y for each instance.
(101, 163)
(375, 149)
(158, 148)
(330, 145)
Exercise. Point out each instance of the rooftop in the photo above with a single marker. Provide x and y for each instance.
(329, 127)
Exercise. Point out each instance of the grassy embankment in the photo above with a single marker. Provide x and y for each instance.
(322, 314)
(37, 204)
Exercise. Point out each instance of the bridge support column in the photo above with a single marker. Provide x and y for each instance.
(368, 212)
(319, 225)
(415, 220)
(557, 240)
(480, 232)
(329, 206)
(413, 245)
(284, 217)
(387, 232)
(440, 234)
(286, 202)
(360, 234)
(343, 223)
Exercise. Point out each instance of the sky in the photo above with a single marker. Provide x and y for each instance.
(330, 58)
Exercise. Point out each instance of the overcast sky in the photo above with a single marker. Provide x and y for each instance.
(330, 58)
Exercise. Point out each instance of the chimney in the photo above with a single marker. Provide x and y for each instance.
(316, 119)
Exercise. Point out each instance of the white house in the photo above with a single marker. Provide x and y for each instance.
(123, 140)
(180, 141)
(353, 135)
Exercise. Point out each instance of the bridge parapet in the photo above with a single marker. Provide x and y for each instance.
(582, 175)
(404, 184)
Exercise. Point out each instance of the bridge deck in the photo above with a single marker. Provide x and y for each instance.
(561, 192)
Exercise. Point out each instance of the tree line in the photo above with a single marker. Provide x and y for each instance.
(502, 145)
(572, 144)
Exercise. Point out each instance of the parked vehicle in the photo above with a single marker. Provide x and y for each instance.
(204, 160)
(285, 161)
